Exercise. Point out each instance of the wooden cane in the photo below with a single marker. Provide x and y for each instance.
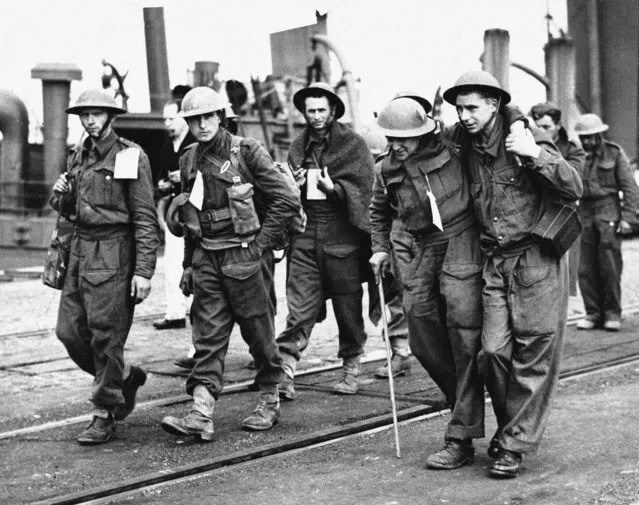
(391, 383)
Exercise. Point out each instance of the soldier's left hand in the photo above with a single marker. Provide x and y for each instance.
(140, 288)
(325, 183)
(522, 143)
(624, 228)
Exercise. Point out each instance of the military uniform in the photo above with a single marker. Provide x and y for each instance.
(605, 174)
(525, 296)
(115, 237)
(441, 272)
(325, 260)
(232, 273)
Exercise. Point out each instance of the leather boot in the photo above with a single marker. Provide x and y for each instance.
(99, 431)
(130, 386)
(287, 387)
(399, 364)
(454, 454)
(265, 414)
(507, 465)
(349, 382)
(199, 422)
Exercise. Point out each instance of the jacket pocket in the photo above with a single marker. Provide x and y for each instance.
(98, 277)
(243, 213)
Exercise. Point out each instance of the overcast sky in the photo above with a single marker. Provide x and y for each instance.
(390, 45)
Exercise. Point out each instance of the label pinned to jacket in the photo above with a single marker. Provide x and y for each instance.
(197, 193)
(437, 219)
(126, 164)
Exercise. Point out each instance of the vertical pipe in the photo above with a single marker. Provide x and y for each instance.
(595, 58)
(156, 57)
(204, 74)
(14, 154)
(561, 70)
(56, 84)
(496, 58)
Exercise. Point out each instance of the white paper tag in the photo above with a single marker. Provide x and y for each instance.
(437, 219)
(197, 193)
(126, 164)
(312, 191)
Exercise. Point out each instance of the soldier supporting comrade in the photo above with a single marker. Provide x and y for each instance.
(514, 179)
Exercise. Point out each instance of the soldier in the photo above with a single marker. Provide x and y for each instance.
(334, 169)
(107, 193)
(235, 210)
(548, 118)
(604, 220)
(420, 182)
(525, 296)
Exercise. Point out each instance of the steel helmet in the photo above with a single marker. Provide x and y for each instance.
(323, 89)
(415, 96)
(590, 124)
(405, 117)
(202, 100)
(95, 99)
(476, 79)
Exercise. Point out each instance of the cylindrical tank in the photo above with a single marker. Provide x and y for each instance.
(14, 125)
(204, 74)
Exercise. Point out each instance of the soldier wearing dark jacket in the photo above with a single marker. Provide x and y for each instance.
(107, 194)
(514, 178)
(421, 183)
(236, 208)
(334, 169)
(548, 118)
(604, 220)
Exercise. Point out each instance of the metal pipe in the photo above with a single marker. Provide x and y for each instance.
(561, 69)
(496, 57)
(347, 76)
(14, 125)
(56, 84)
(536, 75)
(156, 58)
(594, 57)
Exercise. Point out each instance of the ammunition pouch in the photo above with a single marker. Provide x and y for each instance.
(242, 207)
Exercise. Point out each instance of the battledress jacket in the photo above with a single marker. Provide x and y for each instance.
(509, 198)
(99, 201)
(606, 173)
(275, 203)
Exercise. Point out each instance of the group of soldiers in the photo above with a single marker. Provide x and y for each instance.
(452, 212)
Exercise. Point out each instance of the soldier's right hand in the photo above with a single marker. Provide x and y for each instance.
(380, 264)
(300, 176)
(61, 186)
(186, 283)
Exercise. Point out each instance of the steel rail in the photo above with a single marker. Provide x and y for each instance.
(109, 492)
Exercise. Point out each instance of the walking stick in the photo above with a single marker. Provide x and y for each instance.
(391, 383)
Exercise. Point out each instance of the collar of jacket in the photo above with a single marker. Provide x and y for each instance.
(431, 147)
(220, 145)
(494, 139)
(101, 146)
(323, 141)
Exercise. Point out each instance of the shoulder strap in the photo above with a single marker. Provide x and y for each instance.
(237, 159)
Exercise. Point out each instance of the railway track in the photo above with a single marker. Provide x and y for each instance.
(150, 482)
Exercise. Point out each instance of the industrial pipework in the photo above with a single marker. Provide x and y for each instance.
(14, 125)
